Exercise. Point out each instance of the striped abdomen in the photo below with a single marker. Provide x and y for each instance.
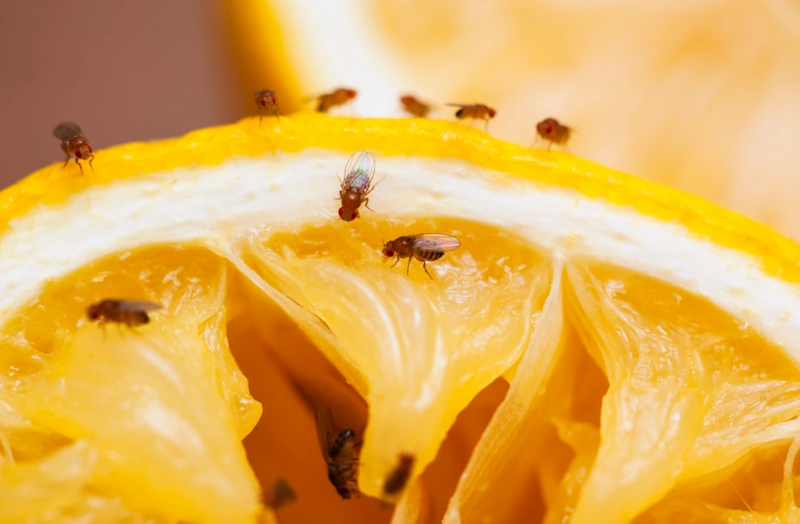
(430, 256)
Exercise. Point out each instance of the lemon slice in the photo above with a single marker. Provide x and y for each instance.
(589, 322)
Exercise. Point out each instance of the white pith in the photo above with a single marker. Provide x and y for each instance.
(214, 205)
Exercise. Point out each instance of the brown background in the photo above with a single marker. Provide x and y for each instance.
(122, 70)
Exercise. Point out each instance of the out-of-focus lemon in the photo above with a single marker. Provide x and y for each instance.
(598, 347)
(698, 95)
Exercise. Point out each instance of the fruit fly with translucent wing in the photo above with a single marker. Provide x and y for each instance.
(426, 248)
(414, 107)
(267, 104)
(335, 98)
(553, 132)
(74, 143)
(475, 112)
(398, 478)
(278, 494)
(358, 175)
(339, 451)
(131, 313)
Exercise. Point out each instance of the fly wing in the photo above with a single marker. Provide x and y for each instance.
(325, 431)
(359, 171)
(67, 131)
(138, 305)
(436, 242)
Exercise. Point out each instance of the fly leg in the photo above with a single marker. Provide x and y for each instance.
(409, 265)
(426, 270)
(396, 261)
(366, 204)
(66, 152)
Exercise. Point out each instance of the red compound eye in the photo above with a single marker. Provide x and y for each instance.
(388, 252)
(90, 148)
(354, 215)
(78, 153)
(274, 99)
(340, 212)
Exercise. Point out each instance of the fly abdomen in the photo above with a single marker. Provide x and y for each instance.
(430, 256)
(341, 441)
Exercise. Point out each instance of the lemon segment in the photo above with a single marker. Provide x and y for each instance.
(414, 343)
(513, 424)
(171, 384)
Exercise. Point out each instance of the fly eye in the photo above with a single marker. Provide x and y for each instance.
(354, 215)
(388, 252)
(90, 148)
(340, 212)
(78, 153)
(274, 99)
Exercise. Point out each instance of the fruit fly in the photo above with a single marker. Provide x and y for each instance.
(132, 313)
(475, 112)
(398, 478)
(358, 175)
(74, 143)
(426, 247)
(278, 494)
(414, 107)
(553, 131)
(267, 104)
(334, 98)
(339, 453)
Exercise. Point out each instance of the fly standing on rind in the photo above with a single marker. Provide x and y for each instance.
(74, 143)
(334, 98)
(553, 132)
(475, 112)
(414, 107)
(267, 104)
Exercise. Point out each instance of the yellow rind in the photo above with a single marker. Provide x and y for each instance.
(779, 256)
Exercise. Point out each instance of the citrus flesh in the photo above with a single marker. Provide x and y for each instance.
(597, 349)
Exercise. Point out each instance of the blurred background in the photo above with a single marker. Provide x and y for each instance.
(702, 95)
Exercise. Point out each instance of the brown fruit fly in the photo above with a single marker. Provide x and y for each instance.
(358, 175)
(335, 98)
(267, 104)
(74, 143)
(426, 248)
(553, 132)
(398, 478)
(278, 494)
(339, 454)
(414, 107)
(131, 313)
(475, 112)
